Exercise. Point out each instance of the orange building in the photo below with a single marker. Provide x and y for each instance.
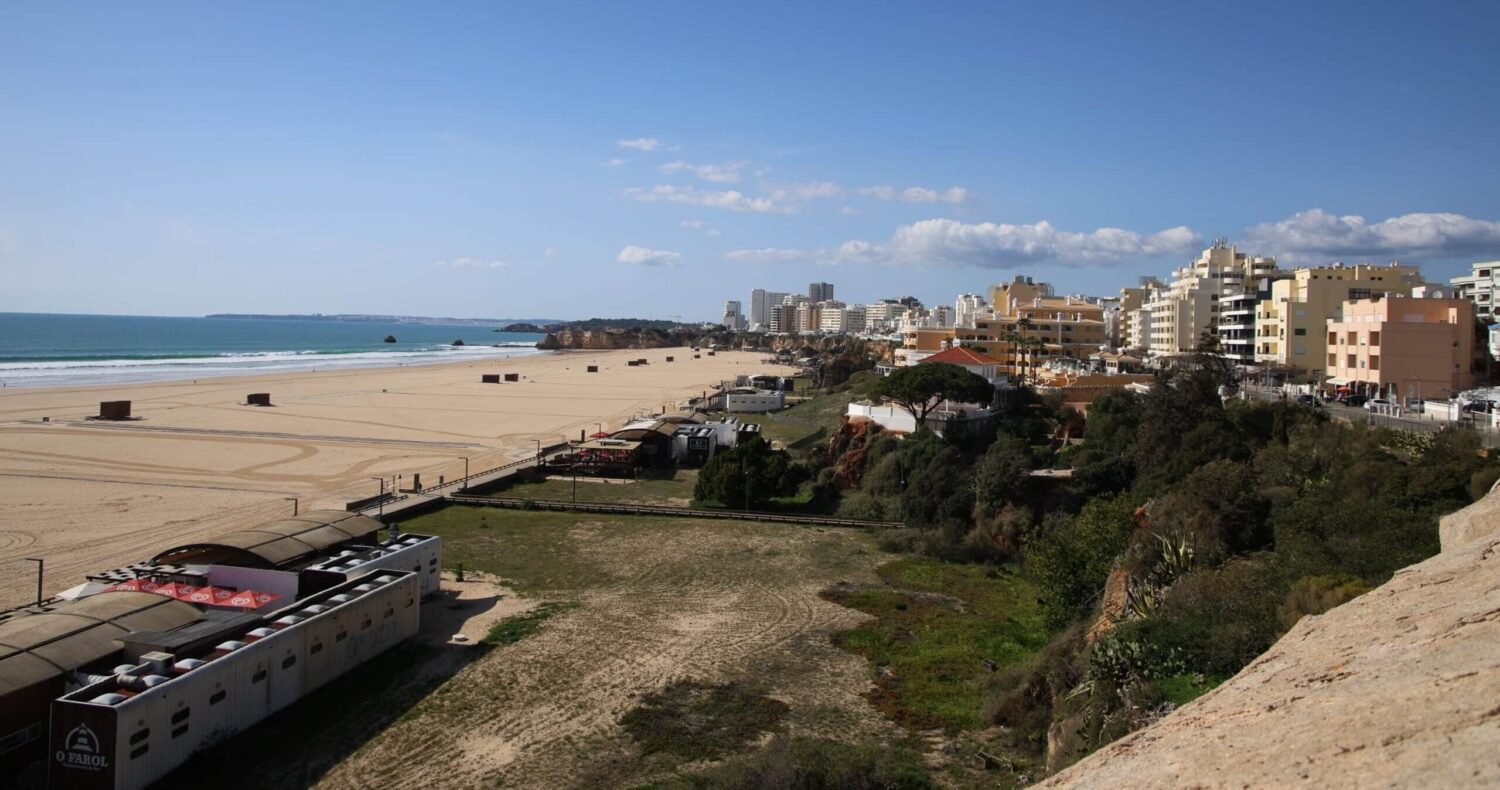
(1402, 348)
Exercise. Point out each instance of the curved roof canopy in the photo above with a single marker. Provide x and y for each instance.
(36, 646)
(275, 544)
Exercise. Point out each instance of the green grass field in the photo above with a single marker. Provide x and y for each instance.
(676, 488)
(936, 624)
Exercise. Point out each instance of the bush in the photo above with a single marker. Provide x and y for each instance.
(1070, 558)
(810, 764)
(1318, 594)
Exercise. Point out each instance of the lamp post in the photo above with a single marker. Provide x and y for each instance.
(293, 500)
(464, 486)
(40, 566)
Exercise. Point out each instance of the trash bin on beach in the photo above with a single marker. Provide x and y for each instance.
(593, 368)
(489, 378)
(513, 377)
(258, 399)
(114, 410)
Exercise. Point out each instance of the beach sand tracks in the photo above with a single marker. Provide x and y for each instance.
(707, 602)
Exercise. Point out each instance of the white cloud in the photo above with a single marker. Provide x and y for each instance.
(692, 224)
(640, 144)
(804, 191)
(552, 252)
(471, 263)
(849, 211)
(991, 245)
(768, 255)
(915, 194)
(643, 256)
(1317, 235)
(723, 173)
(730, 199)
(616, 162)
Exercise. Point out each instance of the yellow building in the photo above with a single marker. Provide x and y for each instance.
(1024, 327)
(1289, 325)
(1401, 348)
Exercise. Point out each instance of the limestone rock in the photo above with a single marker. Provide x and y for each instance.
(1397, 688)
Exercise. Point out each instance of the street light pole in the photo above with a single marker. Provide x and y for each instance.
(40, 566)
(538, 451)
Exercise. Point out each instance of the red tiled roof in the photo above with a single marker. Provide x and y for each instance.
(962, 356)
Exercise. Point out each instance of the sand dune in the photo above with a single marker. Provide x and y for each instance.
(88, 495)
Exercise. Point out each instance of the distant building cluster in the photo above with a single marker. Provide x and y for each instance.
(1371, 329)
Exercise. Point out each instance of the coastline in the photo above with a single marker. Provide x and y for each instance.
(195, 461)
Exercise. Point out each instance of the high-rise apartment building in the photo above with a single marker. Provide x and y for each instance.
(1289, 321)
(820, 292)
(733, 318)
(1481, 286)
(1188, 306)
(966, 308)
(761, 302)
(1134, 322)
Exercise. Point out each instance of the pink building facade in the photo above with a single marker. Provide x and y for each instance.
(1402, 348)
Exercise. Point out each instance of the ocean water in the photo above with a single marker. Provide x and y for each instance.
(42, 350)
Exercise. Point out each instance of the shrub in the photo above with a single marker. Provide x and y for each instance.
(810, 764)
(1318, 594)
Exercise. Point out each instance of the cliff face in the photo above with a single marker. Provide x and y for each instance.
(1397, 688)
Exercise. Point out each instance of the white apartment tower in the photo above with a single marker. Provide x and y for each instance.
(1189, 305)
(1481, 286)
(733, 318)
(966, 309)
(761, 303)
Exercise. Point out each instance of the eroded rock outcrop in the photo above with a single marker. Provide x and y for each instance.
(1397, 688)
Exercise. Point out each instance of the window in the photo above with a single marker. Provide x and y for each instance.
(181, 715)
(140, 735)
(341, 636)
(1374, 363)
(389, 612)
(180, 731)
(1351, 360)
(1333, 359)
(258, 676)
(1352, 336)
(140, 750)
(365, 624)
(1299, 331)
(316, 648)
(218, 696)
(1374, 338)
(286, 663)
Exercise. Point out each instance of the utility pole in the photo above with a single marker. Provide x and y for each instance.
(40, 566)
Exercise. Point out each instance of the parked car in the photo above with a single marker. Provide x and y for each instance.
(1376, 404)
(1306, 400)
(1415, 405)
(1355, 400)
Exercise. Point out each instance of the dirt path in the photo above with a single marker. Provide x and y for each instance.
(707, 602)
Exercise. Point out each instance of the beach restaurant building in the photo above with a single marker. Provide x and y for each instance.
(115, 682)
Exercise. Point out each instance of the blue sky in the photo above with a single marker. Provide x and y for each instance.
(578, 159)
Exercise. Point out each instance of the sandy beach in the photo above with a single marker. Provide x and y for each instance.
(87, 495)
